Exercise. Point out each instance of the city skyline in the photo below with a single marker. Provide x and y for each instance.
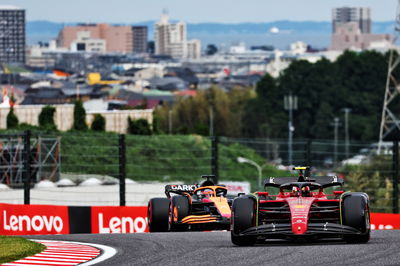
(222, 11)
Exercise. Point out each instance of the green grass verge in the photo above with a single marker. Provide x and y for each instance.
(13, 248)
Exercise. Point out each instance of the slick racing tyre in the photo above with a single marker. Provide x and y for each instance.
(355, 213)
(243, 217)
(158, 214)
(179, 210)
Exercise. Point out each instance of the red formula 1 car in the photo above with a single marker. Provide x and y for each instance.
(191, 207)
(301, 210)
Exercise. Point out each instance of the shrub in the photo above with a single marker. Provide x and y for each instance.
(139, 127)
(12, 119)
(99, 123)
(79, 116)
(46, 118)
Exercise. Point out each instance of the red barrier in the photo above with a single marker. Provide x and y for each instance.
(50, 219)
(33, 219)
(119, 219)
(382, 221)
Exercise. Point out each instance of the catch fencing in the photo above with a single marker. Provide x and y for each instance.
(130, 166)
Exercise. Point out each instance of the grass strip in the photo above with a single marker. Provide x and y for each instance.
(13, 248)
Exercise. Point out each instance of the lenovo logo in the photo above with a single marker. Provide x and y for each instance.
(121, 224)
(36, 223)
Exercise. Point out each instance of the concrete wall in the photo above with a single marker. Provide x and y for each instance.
(116, 121)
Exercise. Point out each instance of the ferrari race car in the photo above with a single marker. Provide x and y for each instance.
(301, 210)
(191, 207)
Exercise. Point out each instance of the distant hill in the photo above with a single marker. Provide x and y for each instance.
(256, 33)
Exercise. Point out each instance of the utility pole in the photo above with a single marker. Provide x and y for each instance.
(390, 122)
(290, 104)
(170, 122)
(346, 129)
(211, 121)
(336, 125)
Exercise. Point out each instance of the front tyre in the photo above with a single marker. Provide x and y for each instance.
(179, 210)
(355, 213)
(243, 217)
(158, 214)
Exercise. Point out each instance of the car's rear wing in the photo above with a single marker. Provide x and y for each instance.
(324, 181)
(179, 189)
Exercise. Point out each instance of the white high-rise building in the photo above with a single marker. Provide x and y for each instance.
(171, 39)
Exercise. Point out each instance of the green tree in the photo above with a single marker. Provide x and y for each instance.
(211, 49)
(139, 127)
(79, 116)
(46, 117)
(99, 123)
(12, 119)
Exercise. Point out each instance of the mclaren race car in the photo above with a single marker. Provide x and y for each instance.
(301, 209)
(191, 207)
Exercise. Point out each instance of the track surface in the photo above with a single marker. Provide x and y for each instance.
(213, 248)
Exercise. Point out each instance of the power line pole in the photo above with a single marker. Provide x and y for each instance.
(390, 122)
(170, 121)
(346, 129)
(336, 125)
(290, 104)
(211, 121)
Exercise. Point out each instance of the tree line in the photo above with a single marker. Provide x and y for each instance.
(355, 80)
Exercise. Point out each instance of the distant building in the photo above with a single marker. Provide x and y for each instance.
(12, 34)
(139, 34)
(359, 15)
(349, 36)
(85, 37)
(351, 29)
(193, 49)
(84, 43)
(171, 39)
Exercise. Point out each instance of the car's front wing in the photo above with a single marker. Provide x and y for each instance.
(321, 230)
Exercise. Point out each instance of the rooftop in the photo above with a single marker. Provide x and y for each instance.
(9, 7)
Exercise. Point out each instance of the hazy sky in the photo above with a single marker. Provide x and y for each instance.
(229, 11)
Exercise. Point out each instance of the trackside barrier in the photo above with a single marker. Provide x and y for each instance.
(49, 219)
(385, 221)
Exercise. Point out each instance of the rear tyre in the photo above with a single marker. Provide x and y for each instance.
(158, 214)
(355, 213)
(243, 217)
(179, 210)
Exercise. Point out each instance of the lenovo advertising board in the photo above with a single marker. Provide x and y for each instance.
(33, 219)
(119, 219)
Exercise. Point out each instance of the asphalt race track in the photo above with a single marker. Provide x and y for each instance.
(215, 248)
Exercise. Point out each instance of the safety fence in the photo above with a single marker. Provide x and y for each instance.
(128, 165)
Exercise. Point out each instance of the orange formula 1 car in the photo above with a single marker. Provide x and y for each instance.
(193, 207)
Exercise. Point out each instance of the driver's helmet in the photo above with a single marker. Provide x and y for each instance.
(206, 193)
(305, 191)
(295, 191)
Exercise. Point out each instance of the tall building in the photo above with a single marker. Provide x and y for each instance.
(139, 34)
(12, 34)
(117, 38)
(171, 39)
(360, 15)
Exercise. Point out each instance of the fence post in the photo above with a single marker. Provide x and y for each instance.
(214, 157)
(27, 167)
(395, 176)
(308, 153)
(122, 164)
